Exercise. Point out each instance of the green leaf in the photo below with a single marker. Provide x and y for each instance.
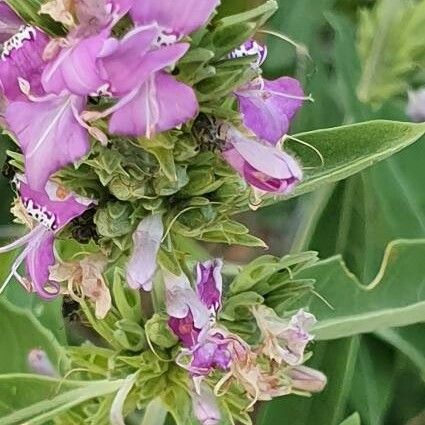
(410, 341)
(18, 391)
(349, 149)
(390, 46)
(337, 359)
(21, 333)
(354, 419)
(374, 380)
(389, 301)
(48, 405)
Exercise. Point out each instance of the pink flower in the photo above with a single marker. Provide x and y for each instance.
(49, 210)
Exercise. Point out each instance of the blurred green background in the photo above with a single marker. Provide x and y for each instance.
(380, 376)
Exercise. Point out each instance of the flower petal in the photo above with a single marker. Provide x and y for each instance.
(268, 110)
(50, 135)
(181, 300)
(38, 261)
(10, 22)
(54, 212)
(209, 283)
(22, 58)
(142, 265)
(161, 104)
(122, 61)
(205, 406)
(265, 167)
(75, 68)
(181, 16)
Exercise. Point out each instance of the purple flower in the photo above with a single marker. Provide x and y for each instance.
(150, 100)
(264, 167)
(250, 48)
(179, 16)
(22, 60)
(209, 284)
(268, 107)
(210, 354)
(192, 319)
(142, 265)
(10, 22)
(51, 209)
(50, 133)
(188, 315)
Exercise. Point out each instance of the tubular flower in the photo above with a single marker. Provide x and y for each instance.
(264, 167)
(49, 211)
(22, 61)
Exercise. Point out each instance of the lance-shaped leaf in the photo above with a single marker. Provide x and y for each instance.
(395, 298)
(348, 150)
(33, 400)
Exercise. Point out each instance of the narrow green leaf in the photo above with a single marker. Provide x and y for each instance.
(390, 300)
(48, 408)
(349, 149)
(374, 380)
(410, 341)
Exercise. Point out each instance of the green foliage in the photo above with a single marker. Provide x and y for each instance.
(348, 150)
(354, 419)
(388, 301)
(21, 333)
(390, 47)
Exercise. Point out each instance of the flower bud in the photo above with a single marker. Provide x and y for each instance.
(307, 379)
(39, 363)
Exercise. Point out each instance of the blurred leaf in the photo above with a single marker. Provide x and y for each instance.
(354, 419)
(349, 149)
(18, 391)
(391, 48)
(410, 341)
(38, 407)
(28, 10)
(337, 359)
(374, 380)
(389, 301)
(21, 333)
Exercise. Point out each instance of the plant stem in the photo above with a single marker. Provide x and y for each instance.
(155, 413)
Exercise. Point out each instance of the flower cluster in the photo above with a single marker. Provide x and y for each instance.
(271, 369)
(138, 124)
